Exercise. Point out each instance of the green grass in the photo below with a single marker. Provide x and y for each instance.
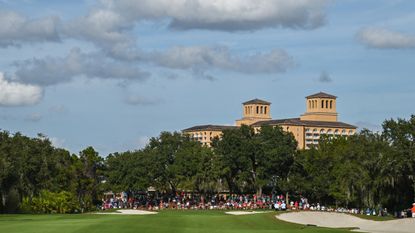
(374, 218)
(165, 221)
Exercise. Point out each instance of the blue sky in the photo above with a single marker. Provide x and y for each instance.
(113, 73)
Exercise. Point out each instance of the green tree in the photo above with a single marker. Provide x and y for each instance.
(194, 167)
(250, 160)
(128, 171)
(89, 169)
(399, 164)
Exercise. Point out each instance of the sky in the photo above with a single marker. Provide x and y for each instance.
(113, 73)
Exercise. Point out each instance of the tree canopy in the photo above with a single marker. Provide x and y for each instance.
(363, 170)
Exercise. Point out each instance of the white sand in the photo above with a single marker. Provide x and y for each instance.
(245, 212)
(339, 220)
(129, 212)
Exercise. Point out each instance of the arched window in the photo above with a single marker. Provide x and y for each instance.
(315, 103)
(331, 104)
(257, 109)
(322, 104)
(327, 104)
(265, 110)
(309, 104)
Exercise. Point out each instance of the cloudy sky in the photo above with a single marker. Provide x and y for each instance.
(112, 73)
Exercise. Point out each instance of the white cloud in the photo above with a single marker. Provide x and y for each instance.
(50, 71)
(197, 59)
(200, 59)
(385, 39)
(229, 15)
(16, 29)
(17, 94)
(109, 25)
(108, 30)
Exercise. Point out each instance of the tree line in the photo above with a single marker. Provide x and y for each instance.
(368, 169)
(37, 177)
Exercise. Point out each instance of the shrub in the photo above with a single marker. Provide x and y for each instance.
(51, 202)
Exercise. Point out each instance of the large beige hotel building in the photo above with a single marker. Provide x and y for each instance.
(320, 118)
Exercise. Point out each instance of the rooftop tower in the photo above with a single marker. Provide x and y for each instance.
(253, 111)
(320, 107)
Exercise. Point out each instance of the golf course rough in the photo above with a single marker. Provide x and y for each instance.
(164, 221)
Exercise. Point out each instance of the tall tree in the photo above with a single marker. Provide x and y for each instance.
(251, 160)
(400, 162)
(89, 169)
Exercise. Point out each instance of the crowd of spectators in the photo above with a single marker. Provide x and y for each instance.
(187, 201)
(215, 201)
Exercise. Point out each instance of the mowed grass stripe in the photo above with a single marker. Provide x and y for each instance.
(165, 221)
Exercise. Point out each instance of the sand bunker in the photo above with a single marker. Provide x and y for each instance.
(338, 220)
(129, 212)
(245, 212)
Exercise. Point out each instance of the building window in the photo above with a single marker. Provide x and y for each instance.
(262, 109)
(331, 104)
(327, 104)
(257, 109)
(309, 104)
(322, 104)
(265, 110)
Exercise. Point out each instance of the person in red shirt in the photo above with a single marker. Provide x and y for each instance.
(413, 210)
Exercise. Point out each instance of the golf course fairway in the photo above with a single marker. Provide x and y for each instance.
(165, 221)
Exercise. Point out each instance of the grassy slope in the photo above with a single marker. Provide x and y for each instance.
(166, 221)
(374, 218)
